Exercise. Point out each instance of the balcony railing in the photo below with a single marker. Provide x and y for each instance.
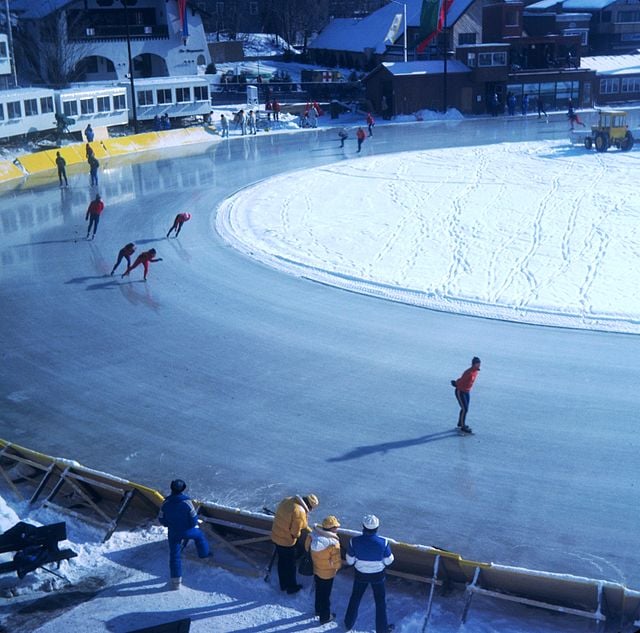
(104, 32)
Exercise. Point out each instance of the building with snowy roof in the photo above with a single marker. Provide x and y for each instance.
(86, 40)
(613, 25)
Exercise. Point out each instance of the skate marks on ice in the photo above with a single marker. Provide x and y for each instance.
(525, 232)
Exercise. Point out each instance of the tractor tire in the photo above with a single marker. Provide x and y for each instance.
(627, 142)
(601, 142)
(588, 142)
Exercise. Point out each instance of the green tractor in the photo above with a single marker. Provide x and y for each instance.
(612, 131)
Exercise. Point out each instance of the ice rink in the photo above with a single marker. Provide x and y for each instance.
(252, 384)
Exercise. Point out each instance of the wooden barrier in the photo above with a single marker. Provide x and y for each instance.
(96, 496)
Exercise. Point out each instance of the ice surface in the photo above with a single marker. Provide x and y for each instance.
(252, 384)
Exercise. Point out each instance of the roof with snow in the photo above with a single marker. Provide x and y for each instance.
(356, 35)
(612, 64)
(542, 5)
(586, 5)
(431, 67)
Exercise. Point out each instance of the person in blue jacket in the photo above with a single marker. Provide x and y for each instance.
(371, 555)
(178, 514)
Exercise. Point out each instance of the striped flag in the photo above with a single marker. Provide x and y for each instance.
(182, 13)
(432, 20)
(394, 28)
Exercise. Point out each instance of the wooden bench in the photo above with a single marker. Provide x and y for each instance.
(34, 547)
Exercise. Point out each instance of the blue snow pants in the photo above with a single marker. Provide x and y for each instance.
(360, 583)
(175, 549)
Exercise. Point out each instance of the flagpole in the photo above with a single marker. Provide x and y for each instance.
(405, 31)
(446, 55)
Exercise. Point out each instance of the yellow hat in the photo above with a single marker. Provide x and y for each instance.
(312, 501)
(330, 522)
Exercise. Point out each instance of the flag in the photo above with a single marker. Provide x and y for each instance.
(432, 20)
(182, 13)
(394, 28)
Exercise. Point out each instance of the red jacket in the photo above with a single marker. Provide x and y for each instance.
(465, 382)
(360, 134)
(95, 207)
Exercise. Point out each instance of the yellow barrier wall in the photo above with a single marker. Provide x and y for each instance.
(42, 161)
(9, 171)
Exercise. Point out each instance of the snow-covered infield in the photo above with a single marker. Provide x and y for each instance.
(539, 232)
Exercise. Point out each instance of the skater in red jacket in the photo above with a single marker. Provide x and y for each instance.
(370, 123)
(145, 259)
(463, 390)
(180, 219)
(96, 207)
(125, 253)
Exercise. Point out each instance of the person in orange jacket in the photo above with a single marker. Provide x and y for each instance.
(96, 207)
(324, 545)
(289, 525)
(125, 253)
(179, 220)
(370, 123)
(360, 135)
(145, 259)
(463, 390)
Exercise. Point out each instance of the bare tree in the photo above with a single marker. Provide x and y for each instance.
(44, 51)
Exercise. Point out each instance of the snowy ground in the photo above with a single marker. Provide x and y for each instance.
(121, 586)
(456, 230)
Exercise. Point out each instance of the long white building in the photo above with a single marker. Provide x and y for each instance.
(167, 36)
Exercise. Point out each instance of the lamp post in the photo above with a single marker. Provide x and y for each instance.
(133, 89)
(404, 24)
(10, 42)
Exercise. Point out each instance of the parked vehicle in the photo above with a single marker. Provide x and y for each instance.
(611, 131)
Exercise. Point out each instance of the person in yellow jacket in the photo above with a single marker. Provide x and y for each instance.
(289, 523)
(324, 545)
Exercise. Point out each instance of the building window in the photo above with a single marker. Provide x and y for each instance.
(253, 8)
(583, 33)
(466, 38)
(1, 112)
(145, 97)
(3, 50)
(631, 84)
(46, 104)
(511, 18)
(201, 93)
(70, 108)
(104, 104)
(183, 95)
(86, 106)
(14, 111)
(119, 102)
(164, 95)
(609, 86)
(31, 107)
(628, 16)
(492, 59)
(471, 60)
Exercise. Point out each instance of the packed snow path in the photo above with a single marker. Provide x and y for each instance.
(252, 384)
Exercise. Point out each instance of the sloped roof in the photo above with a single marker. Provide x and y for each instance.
(430, 67)
(586, 5)
(356, 35)
(612, 64)
(36, 9)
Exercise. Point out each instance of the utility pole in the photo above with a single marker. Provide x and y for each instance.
(10, 41)
(133, 88)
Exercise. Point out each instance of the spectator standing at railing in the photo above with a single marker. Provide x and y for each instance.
(370, 554)
(178, 514)
(276, 110)
(253, 128)
(224, 126)
(88, 132)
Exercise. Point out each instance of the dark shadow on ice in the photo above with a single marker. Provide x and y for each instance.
(71, 239)
(107, 285)
(79, 280)
(130, 621)
(151, 240)
(363, 451)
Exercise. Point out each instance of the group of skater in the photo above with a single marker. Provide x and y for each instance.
(368, 553)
